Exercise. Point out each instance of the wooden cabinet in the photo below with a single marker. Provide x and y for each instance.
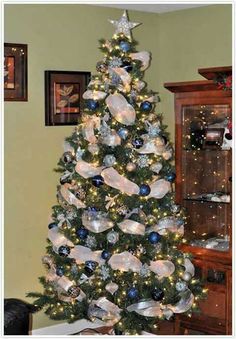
(203, 187)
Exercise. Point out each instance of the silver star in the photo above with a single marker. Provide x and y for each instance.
(124, 26)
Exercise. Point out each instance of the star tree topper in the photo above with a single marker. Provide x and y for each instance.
(124, 25)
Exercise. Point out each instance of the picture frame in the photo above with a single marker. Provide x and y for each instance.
(63, 96)
(15, 72)
(213, 137)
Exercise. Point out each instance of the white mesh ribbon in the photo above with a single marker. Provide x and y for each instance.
(184, 304)
(132, 227)
(159, 189)
(87, 170)
(120, 109)
(94, 95)
(89, 124)
(147, 308)
(70, 197)
(189, 267)
(96, 225)
(82, 254)
(57, 238)
(143, 56)
(139, 85)
(113, 311)
(167, 224)
(155, 146)
(163, 268)
(111, 139)
(123, 74)
(113, 179)
(125, 261)
(111, 287)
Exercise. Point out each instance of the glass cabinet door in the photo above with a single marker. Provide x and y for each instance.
(206, 175)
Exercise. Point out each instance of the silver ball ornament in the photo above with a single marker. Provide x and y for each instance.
(187, 276)
(181, 286)
(130, 167)
(109, 160)
(123, 133)
(112, 237)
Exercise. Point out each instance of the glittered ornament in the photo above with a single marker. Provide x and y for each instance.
(181, 286)
(125, 46)
(52, 225)
(154, 237)
(105, 255)
(64, 250)
(109, 160)
(92, 105)
(146, 106)
(130, 167)
(112, 237)
(143, 161)
(82, 233)
(91, 241)
(123, 133)
(171, 177)
(157, 294)
(97, 180)
(90, 266)
(115, 62)
(60, 271)
(137, 143)
(132, 293)
(67, 157)
(74, 291)
(187, 276)
(144, 190)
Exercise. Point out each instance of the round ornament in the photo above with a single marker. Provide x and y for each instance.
(82, 233)
(67, 157)
(125, 46)
(146, 106)
(123, 133)
(126, 64)
(137, 143)
(90, 266)
(130, 167)
(154, 237)
(105, 255)
(144, 190)
(97, 180)
(157, 294)
(92, 104)
(171, 177)
(64, 251)
(60, 271)
(52, 225)
(228, 136)
(181, 286)
(112, 237)
(132, 293)
(186, 276)
(109, 160)
(74, 291)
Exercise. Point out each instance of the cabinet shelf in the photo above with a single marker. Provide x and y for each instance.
(205, 200)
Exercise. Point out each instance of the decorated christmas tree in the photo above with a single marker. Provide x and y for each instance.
(113, 240)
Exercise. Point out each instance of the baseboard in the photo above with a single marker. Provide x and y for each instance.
(66, 329)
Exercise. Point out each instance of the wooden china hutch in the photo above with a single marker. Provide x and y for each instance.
(203, 117)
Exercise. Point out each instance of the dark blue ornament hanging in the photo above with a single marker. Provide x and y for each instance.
(132, 293)
(171, 177)
(64, 251)
(137, 143)
(90, 266)
(82, 233)
(126, 64)
(92, 105)
(146, 106)
(157, 294)
(52, 225)
(60, 271)
(154, 237)
(105, 255)
(97, 180)
(74, 291)
(125, 46)
(123, 133)
(144, 190)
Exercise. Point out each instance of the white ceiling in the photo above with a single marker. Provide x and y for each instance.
(153, 8)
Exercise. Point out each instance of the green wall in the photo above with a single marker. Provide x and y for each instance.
(65, 37)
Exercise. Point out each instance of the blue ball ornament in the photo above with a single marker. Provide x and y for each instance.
(82, 233)
(105, 255)
(97, 180)
(125, 46)
(123, 133)
(92, 105)
(137, 143)
(64, 251)
(132, 293)
(171, 177)
(52, 225)
(60, 271)
(144, 190)
(90, 266)
(146, 106)
(154, 237)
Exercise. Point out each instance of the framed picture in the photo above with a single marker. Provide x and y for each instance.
(15, 72)
(213, 137)
(63, 95)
